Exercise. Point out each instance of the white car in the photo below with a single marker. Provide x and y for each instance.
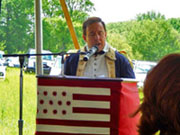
(2, 71)
(47, 60)
(13, 61)
(141, 68)
(2, 59)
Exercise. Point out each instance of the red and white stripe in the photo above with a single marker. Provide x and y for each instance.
(73, 110)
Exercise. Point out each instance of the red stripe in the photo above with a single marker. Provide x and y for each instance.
(73, 123)
(50, 133)
(90, 110)
(115, 109)
(79, 82)
(91, 97)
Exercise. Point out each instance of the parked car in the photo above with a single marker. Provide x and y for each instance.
(13, 62)
(2, 59)
(141, 68)
(47, 60)
(2, 71)
(56, 68)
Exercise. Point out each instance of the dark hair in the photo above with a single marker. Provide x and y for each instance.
(161, 104)
(90, 21)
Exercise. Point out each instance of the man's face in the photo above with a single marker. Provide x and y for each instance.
(95, 35)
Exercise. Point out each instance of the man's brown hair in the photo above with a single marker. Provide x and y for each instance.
(90, 21)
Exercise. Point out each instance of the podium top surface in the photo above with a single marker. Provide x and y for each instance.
(86, 78)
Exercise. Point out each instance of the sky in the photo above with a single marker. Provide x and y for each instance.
(125, 10)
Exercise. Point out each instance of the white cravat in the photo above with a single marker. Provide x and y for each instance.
(96, 65)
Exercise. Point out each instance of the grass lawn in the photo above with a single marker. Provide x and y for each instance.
(9, 103)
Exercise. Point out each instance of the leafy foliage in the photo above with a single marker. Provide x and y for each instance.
(150, 39)
(56, 35)
(16, 25)
(153, 39)
(78, 9)
(17, 30)
(150, 15)
(119, 42)
(175, 22)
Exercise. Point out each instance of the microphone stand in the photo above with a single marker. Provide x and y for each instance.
(21, 61)
(20, 122)
(62, 66)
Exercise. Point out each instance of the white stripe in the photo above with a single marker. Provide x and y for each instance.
(74, 103)
(74, 116)
(78, 90)
(72, 129)
(91, 104)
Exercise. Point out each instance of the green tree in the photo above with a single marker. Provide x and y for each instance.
(120, 43)
(153, 39)
(17, 30)
(56, 35)
(118, 37)
(16, 25)
(149, 39)
(150, 15)
(78, 9)
(175, 22)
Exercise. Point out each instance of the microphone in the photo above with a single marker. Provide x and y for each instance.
(91, 52)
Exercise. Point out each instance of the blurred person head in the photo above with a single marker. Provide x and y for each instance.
(94, 32)
(161, 104)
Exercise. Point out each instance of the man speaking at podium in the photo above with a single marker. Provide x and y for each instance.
(100, 60)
